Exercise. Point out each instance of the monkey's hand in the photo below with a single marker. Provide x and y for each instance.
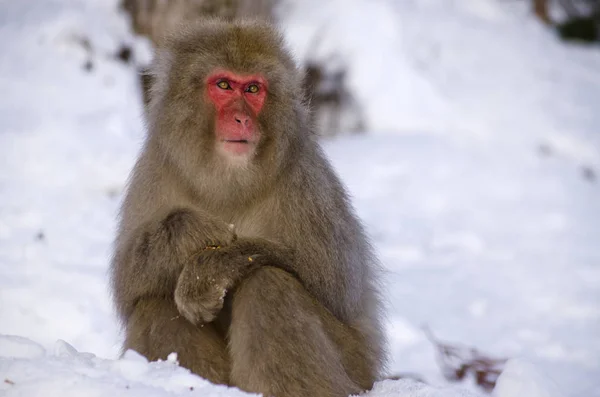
(189, 230)
(205, 280)
(208, 276)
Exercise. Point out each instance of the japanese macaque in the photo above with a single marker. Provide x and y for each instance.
(237, 247)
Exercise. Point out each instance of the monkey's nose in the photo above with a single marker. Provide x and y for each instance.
(242, 119)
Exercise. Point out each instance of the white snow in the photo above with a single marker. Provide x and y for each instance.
(66, 372)
(486, 240)
(28, 370)
(521, 378)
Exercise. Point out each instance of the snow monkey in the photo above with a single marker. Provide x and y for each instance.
(237, 246)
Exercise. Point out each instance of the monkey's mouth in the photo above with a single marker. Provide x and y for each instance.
(237, 146)
(236, 141)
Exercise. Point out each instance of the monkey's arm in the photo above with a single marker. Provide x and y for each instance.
(149, 258)
(212, 272)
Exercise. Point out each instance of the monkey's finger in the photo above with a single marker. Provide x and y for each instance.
(202, 310)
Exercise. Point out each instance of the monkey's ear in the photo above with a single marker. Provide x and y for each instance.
(158, 73)
(162, 63)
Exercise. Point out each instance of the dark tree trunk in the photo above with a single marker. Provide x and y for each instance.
(540, 8)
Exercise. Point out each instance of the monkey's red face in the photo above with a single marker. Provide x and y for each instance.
(238, 101)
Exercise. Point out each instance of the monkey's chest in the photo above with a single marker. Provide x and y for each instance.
(255, 222)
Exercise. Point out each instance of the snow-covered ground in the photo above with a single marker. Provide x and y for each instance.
(479, 183)
(28, 370)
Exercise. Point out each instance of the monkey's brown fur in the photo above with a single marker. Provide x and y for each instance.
(301, 314)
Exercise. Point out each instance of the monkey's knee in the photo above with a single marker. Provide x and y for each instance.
(278, 343)
(155, 330)
(269, 294)
(269, 284)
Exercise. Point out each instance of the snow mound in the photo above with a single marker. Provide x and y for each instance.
(411, 388)
(66, 372)
(28, 370)
(521, 378)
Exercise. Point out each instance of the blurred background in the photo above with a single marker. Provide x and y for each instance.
(467, 131)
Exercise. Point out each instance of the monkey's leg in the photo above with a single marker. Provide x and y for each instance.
(156, 329)
(281, 341)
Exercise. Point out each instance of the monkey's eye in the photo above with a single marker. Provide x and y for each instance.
(224, 85)
(252, 88)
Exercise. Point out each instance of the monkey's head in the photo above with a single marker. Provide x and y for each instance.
(227, 100)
